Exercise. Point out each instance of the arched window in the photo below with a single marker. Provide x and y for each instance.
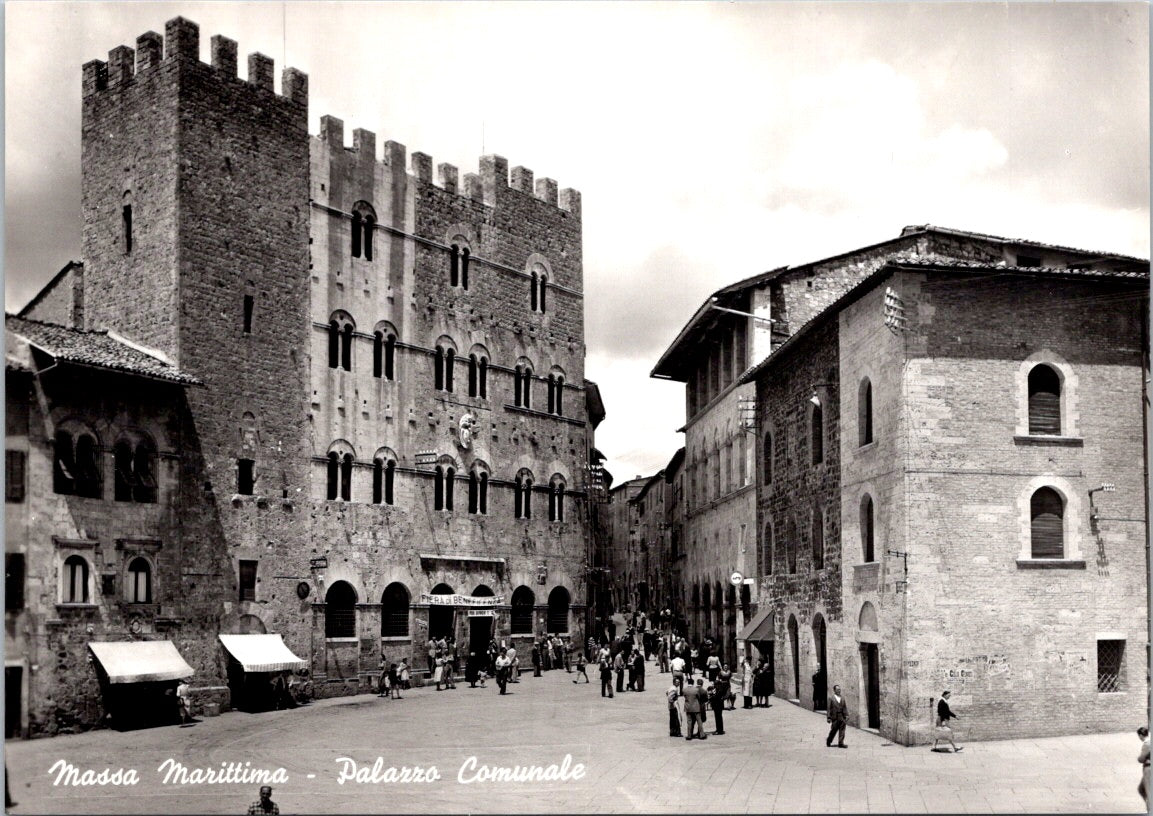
(558, 606)
(556, 498)
(817, 432)
(464, 258)
(442, 490)
(523, 603)
(340, 611)
(340, 459)
(440, 616)
(478, 489)
(383, 477)
(1044, 401)
(135, 473)
(542, 282)
(478, 373)
(74, 581)
(394, 604)
(1047, 527)
(340, 330)
(865, 412)
(454, 265)
(867, 528)
(384, 353)
(443, 370)
(532, 292)
(76, 469)
(522, 498)
(555, 393)
(818, 537)
(767, 455)
(363, 221)
(139, 589)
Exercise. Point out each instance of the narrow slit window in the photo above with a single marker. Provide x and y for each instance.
(249, 303)
(126, 217)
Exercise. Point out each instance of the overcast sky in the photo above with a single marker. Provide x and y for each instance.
(710, 141)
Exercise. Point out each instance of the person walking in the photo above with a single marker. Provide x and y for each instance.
(678, 668)
(673, 694)
(695, 705)
(943, 731)
(713, 667)
(619, 666)
(394, 680)
(1143, 758)
(502, 668)
(606, 677)
(513, 665)
(581, 665)
(638, 670)
(183, 696)
(836, 715)
(264, 806)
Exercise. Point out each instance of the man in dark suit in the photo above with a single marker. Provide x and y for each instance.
(837, 714)
(695, 702)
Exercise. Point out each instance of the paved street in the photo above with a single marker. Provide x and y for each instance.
(770, 760)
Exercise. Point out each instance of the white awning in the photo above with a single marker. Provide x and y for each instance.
(141, 661)
(261, 653)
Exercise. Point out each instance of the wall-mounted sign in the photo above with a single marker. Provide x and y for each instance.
(461, 600)
(736, 579)
(481, 613)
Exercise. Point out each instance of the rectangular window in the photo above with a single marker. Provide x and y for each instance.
(14, 476)
(248, 304)
(13, 581)
(245, 476)
(1110, 666)
(248, 580)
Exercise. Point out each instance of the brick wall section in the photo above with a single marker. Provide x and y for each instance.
(797, 488)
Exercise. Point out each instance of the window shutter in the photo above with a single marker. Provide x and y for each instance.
(1044, 413)
(1047, 536)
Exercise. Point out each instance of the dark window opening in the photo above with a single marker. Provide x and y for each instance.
(13, 581)
(390, 358)
(248, 305)
(867, 528)
(333, 477)
(473, 384)
(126, 215)
(357, 221)
(346, 347)
(818, 434)
(543, 287)
(438, 370)
(1028, 260)
(394, 606)
(449, 359)
(768, 458)
(248, 580)
(245, 476)
(333, 344)
(454, 265)
(346, 477)
(865, 413)
(377, 354)
(383, 474)
(369, 221)
(532, 292)
(464, 254)
(14, 469)
(523, 604)
(340, 611)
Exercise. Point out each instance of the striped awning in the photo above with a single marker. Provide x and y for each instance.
(759, 628)
(140, 661)
(261, 653)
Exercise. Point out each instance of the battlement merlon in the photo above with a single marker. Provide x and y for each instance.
(181, 41)
(492, 181)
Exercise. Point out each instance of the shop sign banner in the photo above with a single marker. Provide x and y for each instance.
(461, 600)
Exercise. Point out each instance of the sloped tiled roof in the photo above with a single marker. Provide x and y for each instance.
(93, 348)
